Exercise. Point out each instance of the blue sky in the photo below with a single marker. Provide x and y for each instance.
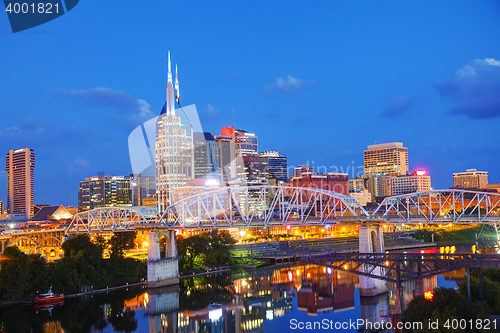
(317, 81)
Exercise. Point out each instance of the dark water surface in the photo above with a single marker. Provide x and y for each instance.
(267, 300)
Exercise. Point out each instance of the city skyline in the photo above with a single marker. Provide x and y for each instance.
(404, 84)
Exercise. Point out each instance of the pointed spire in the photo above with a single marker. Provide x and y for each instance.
(169, 70)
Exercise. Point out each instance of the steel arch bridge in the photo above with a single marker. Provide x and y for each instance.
(271, 206)
(441, 206)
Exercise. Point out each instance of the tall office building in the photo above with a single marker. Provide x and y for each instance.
(247, 144)
(277, 165)
(20, 166)
(173, 147)
(143, 190)
(471, 178)
(416, 182)
(253, 168)
(379, 185)
(206, 156)
(227, 151)
(389, 158)
(105, 191)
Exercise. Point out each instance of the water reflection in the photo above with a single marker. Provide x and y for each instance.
(263, 300)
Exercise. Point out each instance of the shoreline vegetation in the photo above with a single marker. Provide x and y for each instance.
(458, 234)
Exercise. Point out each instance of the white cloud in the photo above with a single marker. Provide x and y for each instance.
(144, 109)
(288, 86)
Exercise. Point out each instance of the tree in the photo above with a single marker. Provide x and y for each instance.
(101, 243)
(15, 274)
(221, 244)
(120, 242)
(190, 249)
(80, 245)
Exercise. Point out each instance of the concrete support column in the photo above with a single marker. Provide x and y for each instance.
(162, 272)
(371, 240)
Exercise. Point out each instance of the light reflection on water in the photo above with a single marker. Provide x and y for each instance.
(261, 301)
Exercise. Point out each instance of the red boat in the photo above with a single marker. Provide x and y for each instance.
(49, 298)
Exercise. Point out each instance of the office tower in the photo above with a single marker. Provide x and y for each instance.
(415, 182)
(20, 167)
(173, 147)
(277, 165)
(389, 158)
(253, 169)
(227, 151)
(379, 185)
(206, 156)
(247, 144)
(471, 178)
(299, 169)
(105, 191)
(143, 190)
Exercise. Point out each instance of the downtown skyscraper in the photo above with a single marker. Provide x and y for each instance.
(174, 146)
(20, 167)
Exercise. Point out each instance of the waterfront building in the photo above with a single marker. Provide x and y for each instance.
(277, 165)
(20, 167)
(206, 157)
(471, 178)
(387, 158)
(105, 191)
(173, 147)
(53, 213)
(410, 183)
(143, 190)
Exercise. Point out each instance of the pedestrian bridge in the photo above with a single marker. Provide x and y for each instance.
(271, 206)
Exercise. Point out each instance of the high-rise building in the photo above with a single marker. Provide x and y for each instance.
(389, 158)
(20, 167)
(173, 147)
(143, 190)
(416, 182)
(471, 178)
(277, 165)
(206, 156)
(1, 207)
(227, 151)
(379, 185)
(247, 144)
(252, 168)
(105, 191)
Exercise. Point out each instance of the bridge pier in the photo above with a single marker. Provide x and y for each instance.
(162, 271)
(371, 240)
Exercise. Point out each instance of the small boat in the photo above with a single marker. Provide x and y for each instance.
(48, 298)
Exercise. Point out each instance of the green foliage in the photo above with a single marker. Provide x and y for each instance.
(101, 243)
(22, 274)
(191, 248)
(457, 233)
(120, 242)
(447, 304)
(205, 249)
(80, 246)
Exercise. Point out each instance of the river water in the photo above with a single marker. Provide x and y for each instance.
(272, 299)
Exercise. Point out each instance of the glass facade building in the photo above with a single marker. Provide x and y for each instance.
(277, 165)
(105, 191)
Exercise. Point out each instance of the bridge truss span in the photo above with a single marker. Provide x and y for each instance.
(111, 219)
(263, 206)
(441, 206)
